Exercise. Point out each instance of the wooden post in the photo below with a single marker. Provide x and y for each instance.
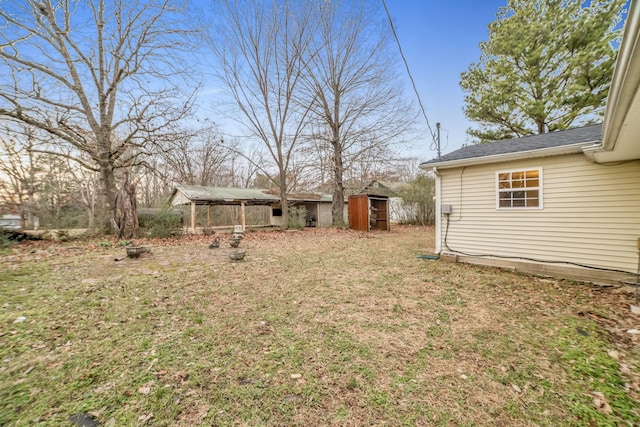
(193, 217)
(242, 216)
(318, 215)
(388, 215)
(208, 216)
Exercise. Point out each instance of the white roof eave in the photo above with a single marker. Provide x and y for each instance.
(622, 113)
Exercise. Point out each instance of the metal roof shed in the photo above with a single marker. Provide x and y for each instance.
(210, 196)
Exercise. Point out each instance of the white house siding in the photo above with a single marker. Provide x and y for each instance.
(398, 211)
(325, 218)
(591, 213)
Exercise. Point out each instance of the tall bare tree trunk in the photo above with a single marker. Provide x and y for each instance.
(284, 202)
(31, 189)
(107, 198)
(337, 205)
(126, 209)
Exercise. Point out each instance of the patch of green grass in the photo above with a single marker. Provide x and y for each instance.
(342, 413)
(586, 361)
(356, 332)
(352, 384)
(380, 400)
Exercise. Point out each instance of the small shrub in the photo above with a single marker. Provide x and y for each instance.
(162, 223)
(418, 205)
(296, 219)
(5, 239)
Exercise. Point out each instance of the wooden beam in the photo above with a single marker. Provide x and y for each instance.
(193, 217)
(242, 216)
(388, 216)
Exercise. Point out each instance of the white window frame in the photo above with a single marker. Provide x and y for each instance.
(538, 188)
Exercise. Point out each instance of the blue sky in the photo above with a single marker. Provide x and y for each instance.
(440, 39)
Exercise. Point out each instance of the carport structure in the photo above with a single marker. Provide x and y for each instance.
(196, 195)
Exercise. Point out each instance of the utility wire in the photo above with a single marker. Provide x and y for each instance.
(406, 64)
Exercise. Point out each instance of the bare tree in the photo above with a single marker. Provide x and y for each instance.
(126, 221)
(244, 167)
(358, 104)
(20, 168)
(87, 189)
(98, 75)
(376, 162)
(363, 162)
(155, 183)
(56, 192)
(197, 158)
(260, 47)
(315, 156)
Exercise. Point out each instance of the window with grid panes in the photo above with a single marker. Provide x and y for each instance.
(519, 189)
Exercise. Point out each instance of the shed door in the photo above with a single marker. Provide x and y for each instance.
(359, 212)
(380, 209)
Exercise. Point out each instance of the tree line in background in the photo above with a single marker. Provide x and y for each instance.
(53, 191)
(100, 100)
(99, 103)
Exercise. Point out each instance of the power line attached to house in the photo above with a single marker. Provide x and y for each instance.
(413, 83)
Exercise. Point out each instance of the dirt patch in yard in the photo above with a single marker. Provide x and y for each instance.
(314, 327)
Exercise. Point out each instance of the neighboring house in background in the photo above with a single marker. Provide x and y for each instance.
(10, 222)
(565, 203)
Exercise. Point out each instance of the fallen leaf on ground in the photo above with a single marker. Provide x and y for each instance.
(145, 389)
(145, 418)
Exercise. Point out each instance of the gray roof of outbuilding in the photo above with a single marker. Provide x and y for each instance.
(231, 195)
(221, 195)
(384, 188)
(585, 134)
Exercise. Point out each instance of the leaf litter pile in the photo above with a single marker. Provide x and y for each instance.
(314, 327)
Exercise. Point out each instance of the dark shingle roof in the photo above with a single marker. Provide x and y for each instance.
(528, 143)
(384, 188)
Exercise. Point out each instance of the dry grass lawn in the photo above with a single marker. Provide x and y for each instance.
(313, 328)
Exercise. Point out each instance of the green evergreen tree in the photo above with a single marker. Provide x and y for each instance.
(546, 66)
